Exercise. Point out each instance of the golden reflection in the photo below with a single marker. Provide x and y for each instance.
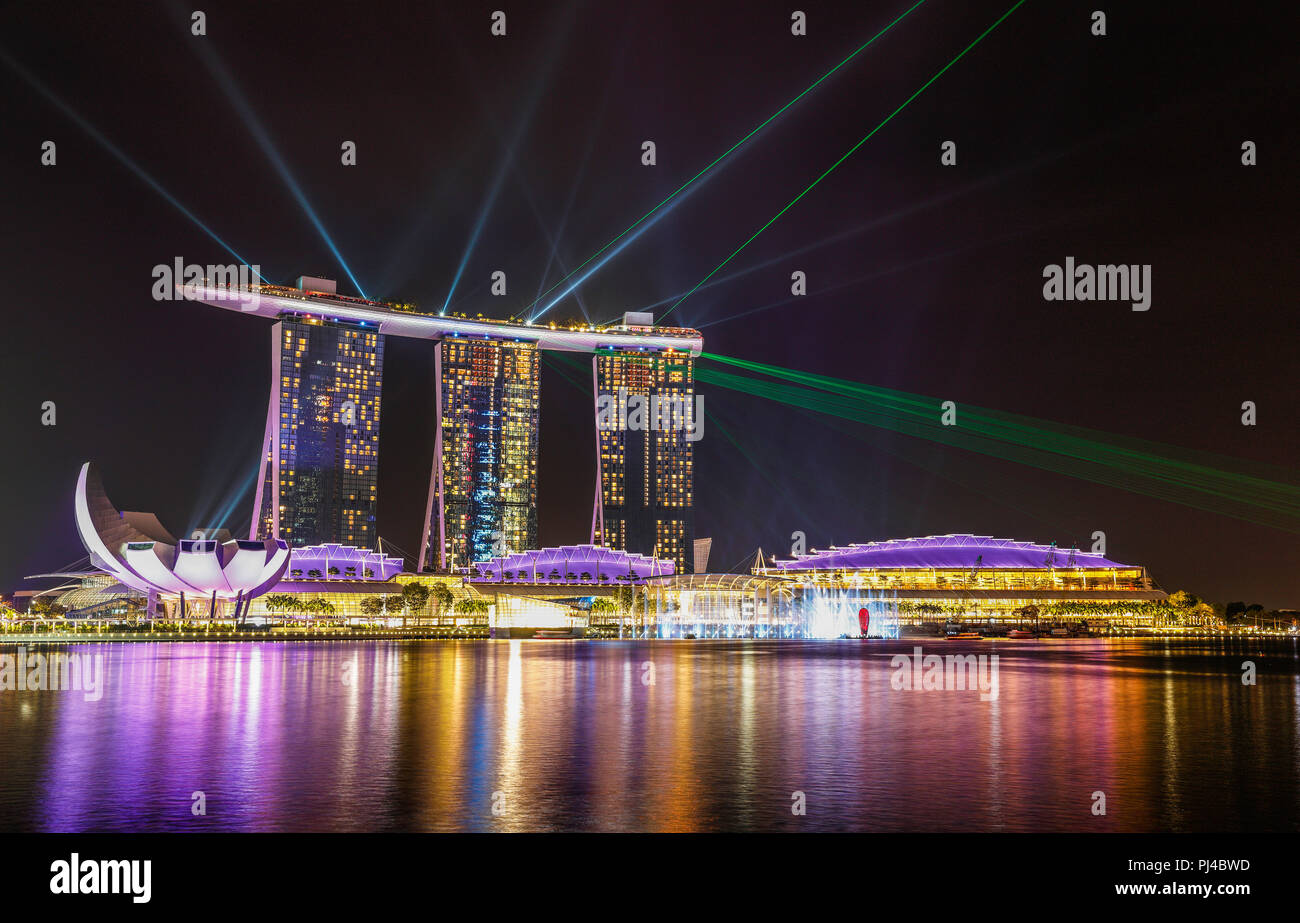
(657, 736)
(509, 775)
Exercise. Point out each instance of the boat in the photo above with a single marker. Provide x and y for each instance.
(1021, 633)
(966, 636)
(549, 634)
(1060, 632)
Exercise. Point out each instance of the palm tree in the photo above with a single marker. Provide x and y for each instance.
(280, 602)
(602, 608)
(288, 604)
(301, 606)
(472, 605)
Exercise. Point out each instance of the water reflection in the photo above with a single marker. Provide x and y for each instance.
(675, 736)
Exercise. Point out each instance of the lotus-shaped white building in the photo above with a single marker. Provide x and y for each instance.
(142, 555)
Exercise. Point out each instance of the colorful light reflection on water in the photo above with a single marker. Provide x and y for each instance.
(656, 736)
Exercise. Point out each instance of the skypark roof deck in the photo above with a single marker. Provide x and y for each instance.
(274, 301)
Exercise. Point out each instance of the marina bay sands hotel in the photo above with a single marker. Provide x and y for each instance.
(319, 472)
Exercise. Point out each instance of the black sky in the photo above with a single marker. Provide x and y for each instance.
(1117, 149)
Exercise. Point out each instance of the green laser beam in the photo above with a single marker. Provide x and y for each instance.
(723, 155)
(1139, 466)
(845, 157)
(924, 424)
(1097, 473)
(1214, 491)
(1139, 456)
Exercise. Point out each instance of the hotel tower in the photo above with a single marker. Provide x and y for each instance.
(483, 487)
(645, 495)
(319, 472)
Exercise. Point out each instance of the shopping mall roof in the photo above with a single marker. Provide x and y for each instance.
(349, 561)
(944, 551)
(587, 563)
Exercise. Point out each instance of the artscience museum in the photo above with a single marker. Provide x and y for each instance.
(143, 556)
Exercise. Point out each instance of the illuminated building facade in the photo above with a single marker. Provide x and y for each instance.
(569, 565)
(483, 486)
(141, 555)
(874, 589)
(976, 576)
(320, 458)
(645, 500)
(319, 472)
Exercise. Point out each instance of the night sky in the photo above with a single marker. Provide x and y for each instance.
(1122, 149)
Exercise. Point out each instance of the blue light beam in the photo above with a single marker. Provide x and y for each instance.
(236, 98)
(118, 154)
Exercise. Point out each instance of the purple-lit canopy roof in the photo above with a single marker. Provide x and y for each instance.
(943, 551)
(350, 562)
(589, 564)
(125, 545)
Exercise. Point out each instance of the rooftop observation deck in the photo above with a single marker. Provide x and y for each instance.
(275, 301)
